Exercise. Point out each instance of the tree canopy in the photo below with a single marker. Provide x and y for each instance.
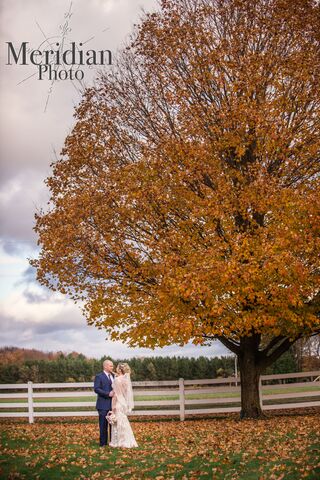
(185, 205)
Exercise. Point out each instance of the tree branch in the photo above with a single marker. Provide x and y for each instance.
(272, 344)
(266, 360)
(231, 345)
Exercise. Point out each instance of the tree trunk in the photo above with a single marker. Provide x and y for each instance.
(250, 374)
(252, 361)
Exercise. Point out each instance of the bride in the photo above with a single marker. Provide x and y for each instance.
(122, 404)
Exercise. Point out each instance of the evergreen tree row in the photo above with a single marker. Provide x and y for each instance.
(68, 368)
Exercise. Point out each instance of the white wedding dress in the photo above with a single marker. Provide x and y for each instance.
(122, 404)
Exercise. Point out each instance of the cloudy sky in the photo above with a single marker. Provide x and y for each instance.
(36, 116)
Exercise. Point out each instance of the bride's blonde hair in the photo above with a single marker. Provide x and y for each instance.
(123, 368)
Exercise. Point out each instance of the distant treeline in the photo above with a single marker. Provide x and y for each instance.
(76, 367)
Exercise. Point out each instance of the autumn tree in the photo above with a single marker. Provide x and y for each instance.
(185, 204)
(307, 353)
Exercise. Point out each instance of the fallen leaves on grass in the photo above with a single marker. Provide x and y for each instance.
(167, 449)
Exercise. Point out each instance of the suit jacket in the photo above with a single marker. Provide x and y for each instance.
(102, 387)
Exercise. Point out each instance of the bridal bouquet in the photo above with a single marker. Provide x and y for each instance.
(111, 418)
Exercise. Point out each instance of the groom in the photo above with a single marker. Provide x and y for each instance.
(103, 388)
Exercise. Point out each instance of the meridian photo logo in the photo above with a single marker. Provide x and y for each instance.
(58, 57)
(46, 60)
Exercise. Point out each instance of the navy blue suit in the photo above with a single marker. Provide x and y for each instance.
(102, 387)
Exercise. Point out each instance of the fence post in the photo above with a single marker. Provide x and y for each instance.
(181, 398)
(236, 369)
(30, 402)
(260, 392)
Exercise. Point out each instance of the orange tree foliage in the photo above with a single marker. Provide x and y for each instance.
(186, 202)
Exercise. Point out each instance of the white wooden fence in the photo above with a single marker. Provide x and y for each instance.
(181, 397)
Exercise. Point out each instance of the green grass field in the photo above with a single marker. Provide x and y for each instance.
(283, 446)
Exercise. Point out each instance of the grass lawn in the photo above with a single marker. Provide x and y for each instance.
(283, 446)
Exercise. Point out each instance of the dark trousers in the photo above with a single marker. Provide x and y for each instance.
(105, 428)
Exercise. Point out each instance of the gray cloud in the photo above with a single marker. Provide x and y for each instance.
(32, 297)
(68, 332)
(29, 275)
(10, 247)
(31, 138)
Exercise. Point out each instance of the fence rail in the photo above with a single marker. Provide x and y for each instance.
(180, 397)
